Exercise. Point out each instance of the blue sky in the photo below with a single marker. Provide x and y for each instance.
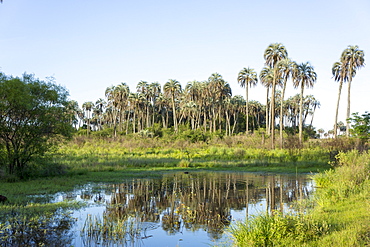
(91, 45)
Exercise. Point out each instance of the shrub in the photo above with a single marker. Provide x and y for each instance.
(239, 153)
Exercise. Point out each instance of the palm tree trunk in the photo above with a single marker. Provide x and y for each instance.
(246, 110)
(267, 113)
(281, 115)
(272, 110)
(301, 115)
(348, 104)
(174, 114)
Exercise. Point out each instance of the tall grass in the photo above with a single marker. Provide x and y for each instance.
(340, 217)
(84, 154)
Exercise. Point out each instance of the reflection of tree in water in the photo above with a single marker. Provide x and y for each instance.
(33, 228)
(201, 200)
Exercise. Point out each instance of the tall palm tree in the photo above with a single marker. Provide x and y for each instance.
(99, 109)
(112, 105)
(273, 54)
(340, 75)
(266, 78)
(352, 59)
(247, 77)
(143, 88)
(304, 76)
(154, 92)
(285, 67)
(122, 91)
(172, 89)
(88, 106)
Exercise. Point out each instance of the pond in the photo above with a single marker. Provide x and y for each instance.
(179, 209)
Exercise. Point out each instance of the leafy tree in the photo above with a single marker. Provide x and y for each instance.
(361, 126)
(34, 116)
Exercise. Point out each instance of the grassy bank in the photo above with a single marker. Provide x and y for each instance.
(102, 155)
(84, 160)
(340, 217)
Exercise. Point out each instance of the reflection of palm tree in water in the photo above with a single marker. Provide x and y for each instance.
(192, 202)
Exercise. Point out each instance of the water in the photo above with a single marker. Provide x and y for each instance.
(182, 209)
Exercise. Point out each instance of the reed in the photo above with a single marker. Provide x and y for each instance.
(112, 230)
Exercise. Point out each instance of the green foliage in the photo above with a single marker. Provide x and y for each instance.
(349, 178)
(361, 126)
(33, 118)
(341, 215)
(277, 230)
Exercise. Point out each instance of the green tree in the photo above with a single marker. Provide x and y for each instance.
(352, 59)
(247, 77)
(34, 116)
(304, 76)
(361, 127)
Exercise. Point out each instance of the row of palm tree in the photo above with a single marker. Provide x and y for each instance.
(200, 105)
(210, 106)
(278, 69)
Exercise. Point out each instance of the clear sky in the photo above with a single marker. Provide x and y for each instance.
(91, 45)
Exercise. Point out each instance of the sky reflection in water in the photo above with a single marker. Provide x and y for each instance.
(185, 209)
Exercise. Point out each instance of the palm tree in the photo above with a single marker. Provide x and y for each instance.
(266, 78)
(352, 59)
(273, 54)
(304, 76)
(172, 89)
(87, 106)
(340, 75)
(121, 93)
(247, 77)
(154, 92)
(285, 67)
(99, 109)
(143, 88)
(112, 105)
(133, 98)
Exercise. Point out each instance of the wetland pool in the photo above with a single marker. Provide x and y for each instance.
(179, 209)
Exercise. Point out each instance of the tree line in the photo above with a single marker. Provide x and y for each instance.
(36, 114)
(210, 106)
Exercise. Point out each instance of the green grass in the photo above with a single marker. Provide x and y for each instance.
(340, 217)
(88, 156)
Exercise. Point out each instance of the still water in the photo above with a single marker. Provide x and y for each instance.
(179, 209)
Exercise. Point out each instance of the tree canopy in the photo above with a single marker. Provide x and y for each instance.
(33, 118)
